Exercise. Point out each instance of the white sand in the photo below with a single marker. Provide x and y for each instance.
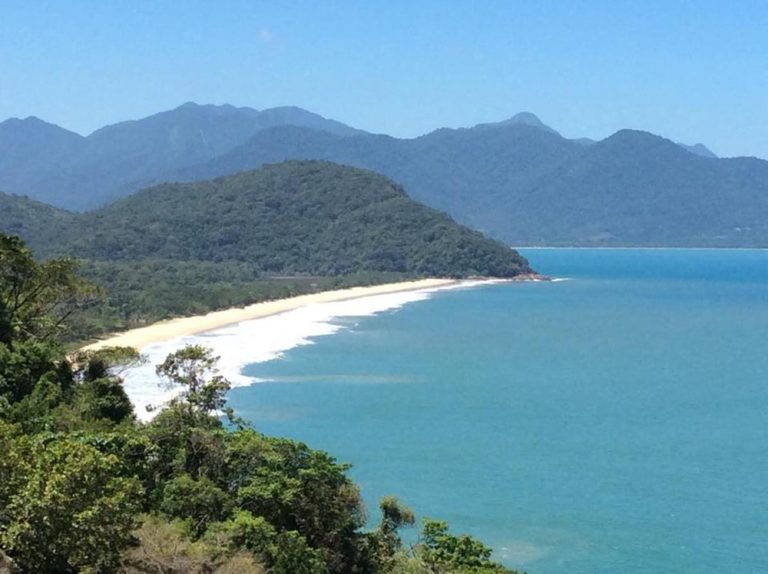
(260, 332)
(185, 326)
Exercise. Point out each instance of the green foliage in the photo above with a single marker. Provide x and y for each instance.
(442, 552)
(308, 218)
(386, 539)
(284, 552)
(38, 223)
(293, 228)
(104, 398)
(193, 368)
(67, 509)
(36, 298)
(77, 469)
(186, 444)
(394, 515)
(529, 186)
(23, 365)
(296, 488)
(166, 548)
(33, 382)
(199, 501)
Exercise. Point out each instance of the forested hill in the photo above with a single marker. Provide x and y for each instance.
(39, 223)
(286, 229)
(292, 218)
(527, 185)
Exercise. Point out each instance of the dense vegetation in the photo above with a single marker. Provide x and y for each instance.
(37, 222)
(84, 487)
(517, 180)
(309, 217)
(527, 185)
(286, 229)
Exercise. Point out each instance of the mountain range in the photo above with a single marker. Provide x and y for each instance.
(517, 180)
(60, 167)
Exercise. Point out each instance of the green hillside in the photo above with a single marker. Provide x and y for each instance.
(286, 229)
(293, 218)
(527, 185)
(40, 224)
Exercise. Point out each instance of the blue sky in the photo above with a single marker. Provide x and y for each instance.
(691, 71)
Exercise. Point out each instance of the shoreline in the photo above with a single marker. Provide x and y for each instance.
(170, 329)
(616, 248)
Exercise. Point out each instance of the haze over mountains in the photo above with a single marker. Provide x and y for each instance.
(517, 180)
(62, 168)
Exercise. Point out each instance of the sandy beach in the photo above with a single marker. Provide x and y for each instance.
(186, 326)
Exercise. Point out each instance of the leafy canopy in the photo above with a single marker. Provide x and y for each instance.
(192, 371)
(36, 299)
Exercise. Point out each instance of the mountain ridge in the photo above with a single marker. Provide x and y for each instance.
(505, 179)
(508, 182)
(115, 160)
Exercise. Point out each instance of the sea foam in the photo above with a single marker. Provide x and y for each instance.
(261, 340)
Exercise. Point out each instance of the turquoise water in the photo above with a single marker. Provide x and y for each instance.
(613, 423)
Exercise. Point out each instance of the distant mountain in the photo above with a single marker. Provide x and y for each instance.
(31, 151)
(584, 141)
(517, 180)
(311, 217)
(698, 149)
(74, 172)
(522, 118)
(529, 186)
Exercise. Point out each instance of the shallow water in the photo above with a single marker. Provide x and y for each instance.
(614, 422)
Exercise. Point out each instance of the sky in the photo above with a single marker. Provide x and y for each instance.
(690, 71)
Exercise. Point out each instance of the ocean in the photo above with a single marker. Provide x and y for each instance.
(616, 421)
(612, 421)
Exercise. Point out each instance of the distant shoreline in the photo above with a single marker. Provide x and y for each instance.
(576, 247)
(185, 326)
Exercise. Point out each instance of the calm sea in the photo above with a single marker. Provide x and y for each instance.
(615, 422)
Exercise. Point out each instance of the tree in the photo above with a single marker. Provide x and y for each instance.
(99, 390)
(165, 548)
(65, 507)
(394, 515)
(36, 299)
(193, 368)
(442, 552)
(299, 489)
(199, 501)
(284, 552)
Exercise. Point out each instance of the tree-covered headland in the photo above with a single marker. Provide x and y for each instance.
(86, 487)
(287, 229)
